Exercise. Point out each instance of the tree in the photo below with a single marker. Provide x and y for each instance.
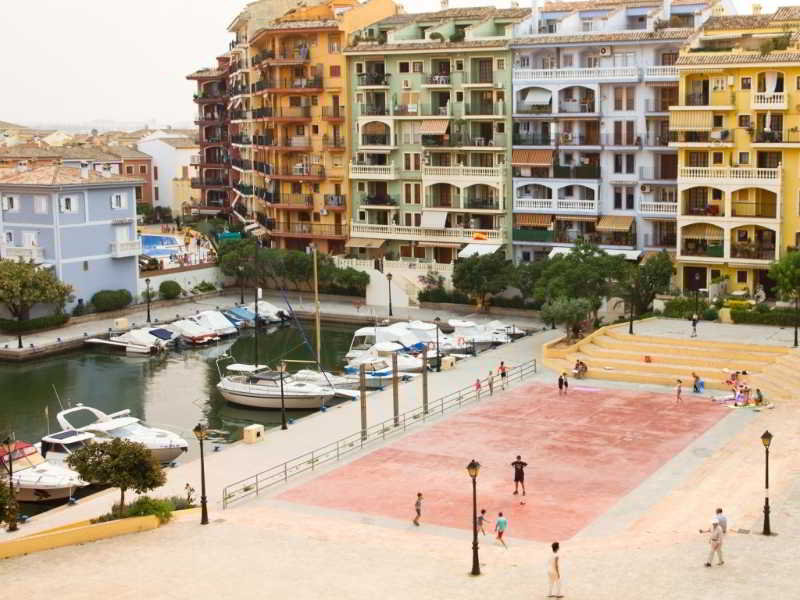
(786, 274)
(569, 311)
(638, 284)
(23, 285)
(479, 276)
(5, 500)
(527, 274)
(119, 463)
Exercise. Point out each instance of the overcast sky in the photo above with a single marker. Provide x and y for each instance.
(70, 62)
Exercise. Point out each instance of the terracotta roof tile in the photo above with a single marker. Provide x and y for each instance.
(426, 45)
(318, 24)
(61, 175)
(787, 13)
(126, 153)
(614, 36)
(610, 4)
(476, 12)
(721, 58)
(737, 22)
(180, 142)
(203, 73)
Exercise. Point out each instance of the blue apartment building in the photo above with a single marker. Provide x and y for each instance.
(75, 220)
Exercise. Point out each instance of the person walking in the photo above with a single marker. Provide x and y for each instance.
(478, 389)
(679, 392)
(554, 572)
(418, 509)
(715, 541)
(503, 374)
(566, 382)
(519, 474)
(694, 324)
(481, 520)
(490, 379)
(560, 384)
(500, 526)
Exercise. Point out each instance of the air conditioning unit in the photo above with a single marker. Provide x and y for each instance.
(406, 84)
(645, 189)
(605, 50)
(323, 211)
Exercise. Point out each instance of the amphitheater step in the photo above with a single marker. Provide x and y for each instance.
(632, 344)
(622, 334)
(672, 372)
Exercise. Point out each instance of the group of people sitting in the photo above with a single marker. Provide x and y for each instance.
(741, 393)
(580, 369)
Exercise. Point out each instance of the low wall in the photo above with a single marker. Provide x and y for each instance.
(468, 309)
(187, 277)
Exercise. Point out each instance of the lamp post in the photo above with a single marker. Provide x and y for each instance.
(766, 439)
(472, 469)
(696, 293)
(201, 433)
(796, 309)
(283, 404)
(10, 446)
(147, 283)
(389, 279)
(241, 284)
(437, 320)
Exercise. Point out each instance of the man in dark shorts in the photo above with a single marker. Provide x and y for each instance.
(519, 474)
(503, 373)
(418, 509)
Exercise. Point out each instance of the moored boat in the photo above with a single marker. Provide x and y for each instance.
(35, 479)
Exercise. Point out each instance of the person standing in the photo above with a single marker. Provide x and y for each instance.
(679, 392)
(715, 541)
(502, 369)
(560, 384)
(418, 509)
(519, 474)
(566, 382)
(694, 324)
(478, 389)
(500, 526)
(554, 572)
(482, 520)
(490, 379)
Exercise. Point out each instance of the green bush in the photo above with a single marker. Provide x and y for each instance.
(14, 326)
(442, 295)
(710, 314)
(180, 503)
(683, 308)
(203, 287)
(781, 317)
(737, 304)
(142, 507)
(169, 289)
(106, 300)
(762, 308)
(515, 302)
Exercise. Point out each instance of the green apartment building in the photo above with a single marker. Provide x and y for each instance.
(430, 97)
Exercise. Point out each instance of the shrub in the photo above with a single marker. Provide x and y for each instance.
(738, 304)
(14, 326)
(781, 317)
(710, 314)
(762, 308)
(517, 301)
(718, 302)
(203, 287)
(169, 289)
(442, 295)
(106, 300)
(143, 506)
(683, 308)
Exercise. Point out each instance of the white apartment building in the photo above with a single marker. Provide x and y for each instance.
(170, 155)
(592, 85)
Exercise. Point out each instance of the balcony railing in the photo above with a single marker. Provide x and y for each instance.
(293, 200)
(292, 112)
(477, 78)
(126, 248)
(724, 174)
(197, 182)
(707, 209)
(658, 105)
(607, 74)
(462, 141)
(578, 107)
(244, 189)
(480, 203)
(532, 139)
(263, 168)
(243, 140)
(299, 53)
(434, 171)
(241, 115)
(661, 72)
(302, 170)
(376, 139)
(26, 253)
(426, 110)
(261, 56)
(308, 229)
(532, 235)
(406, 232)
(436, 79)
(407, 110)
(582, 172)
(703, 249)
(242, 164)
(533, 109)
(364, 171)
(660, 240)
(374, 79)
(768, 100)
(296, 83)
(210, 117)
(576, 205)
(484, 109)
(262, 113)
(335, 201)
(657, 174)
(373, 110)
(658, 208)
(578, 139)
(329, 141)
(752, 252)
(263, 140)
(660, 140)
(378, 200)
(761, 136)
(334, 113)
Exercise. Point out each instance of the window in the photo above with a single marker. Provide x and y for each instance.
(362, 186)
(295, 101)
(624, 98)
(40, 205)
(407, 223)
(9, 237)
(624, 163)
(524, 61)
(360, 98)
(501, 64)
(299, 130)
(336, 71)
(586, 24)
(718, 121)
(86, 265)
(741, 235)
(129, 170)
(316, 217)
(718, 84)
(359, 67)
(623, 192)
(68, 204)
(417, 219)
(155, 173)
(716, 158)
(797, 83)
(416, 66)
(629, 198)
(592, 61)
(155, 194)
(139, 193)
(362, 215)
(11, 203)
(744, 158)
(412, 193)
(315, 187)
(630, 163)
(403, 67)
(746, 83)
(314, 100)
(618, 197)
(526, 256)
(567, 60)
(315, 130)
(501, 127)
(741, 276)
(459, 96)
(460, 67)
(143, 170)
(118, 201)
(744, 121)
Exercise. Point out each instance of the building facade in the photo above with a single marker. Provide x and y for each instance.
(430, 124)
(592, 88)
(170, 155)
(76, 221)
(736, 128)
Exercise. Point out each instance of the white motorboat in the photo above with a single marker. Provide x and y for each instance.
(143, 341)
(56, 447)
(377, 376)
(164, 445)
(426, 332)
(250, 385)
(268, 312)
(365, 338)
(475, 335)
(504, 329)
(216, 322)
(193, 333)
(382, 351)
(35, 479)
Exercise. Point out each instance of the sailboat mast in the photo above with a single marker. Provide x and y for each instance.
(255, 329)
(316, 302)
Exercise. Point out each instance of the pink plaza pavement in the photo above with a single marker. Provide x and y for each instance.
(584, 452)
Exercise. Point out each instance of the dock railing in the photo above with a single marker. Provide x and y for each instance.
(335, 451)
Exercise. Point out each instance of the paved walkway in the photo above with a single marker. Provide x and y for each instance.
(767, 335)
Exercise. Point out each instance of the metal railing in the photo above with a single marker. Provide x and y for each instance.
(373, 110)
(335, 451)
(333, 112)
(329, 141)
(380, 79)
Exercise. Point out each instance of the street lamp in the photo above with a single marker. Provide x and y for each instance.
(147, 283)
(696, 293)
(472, 469)
(796, 309)
(201, 433)
(241, 283)
(283, 404)
(766, 439)
(389, 279)
(10, 446)
(437, 320)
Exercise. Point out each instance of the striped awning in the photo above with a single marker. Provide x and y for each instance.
(363, 243)
(532, 158)
(614, 223)
(583, 218)
(702, 231)
(533, 220)
(434, 127)
(691, 120)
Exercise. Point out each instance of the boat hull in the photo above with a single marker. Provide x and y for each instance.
(167, 455)
(29, 494)
(242, 398)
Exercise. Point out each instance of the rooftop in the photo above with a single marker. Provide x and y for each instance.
(611, 36)
(738, 58)
(126, 153)
(61, 175)
(474, 13)
(427, 45)
(776, 19)
(611, 4)
(65, 152)
(179, 142)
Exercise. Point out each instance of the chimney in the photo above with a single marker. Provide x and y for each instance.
(444, 4)
(757, 9)
(84, 170)
(22, 166)
(666, 9)
(106, 170)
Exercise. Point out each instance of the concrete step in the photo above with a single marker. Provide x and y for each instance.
(641, 347)
(690, 343)
(673, 371)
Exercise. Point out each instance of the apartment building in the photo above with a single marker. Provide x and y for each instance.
(171, 154)
(430, 99)
(74, 220)
(593, 83)
(736, 128)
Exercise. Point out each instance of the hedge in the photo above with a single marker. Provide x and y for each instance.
(14, 326)
(516, 302)
(169, 289)
(781, 317)
(442, 295)
(106, 300)
(683, 308)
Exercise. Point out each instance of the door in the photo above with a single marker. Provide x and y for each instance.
(30, 239)
(765, 281)
(484, 70)
(121, 233)
(669, 166)
(335, 100)
(694, 278)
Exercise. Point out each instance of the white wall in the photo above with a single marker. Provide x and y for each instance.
(186, 279)
(170, 162)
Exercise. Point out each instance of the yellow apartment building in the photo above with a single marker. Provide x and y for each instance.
(737, 130)
(289, 126)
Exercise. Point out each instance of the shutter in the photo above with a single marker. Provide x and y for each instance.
(5, 203)
(124, 200)
(61, 205)
(112, 201)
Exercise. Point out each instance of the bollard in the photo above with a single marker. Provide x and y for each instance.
(362, 384)
(425, 381)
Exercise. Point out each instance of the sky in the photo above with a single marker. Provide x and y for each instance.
(75, 62)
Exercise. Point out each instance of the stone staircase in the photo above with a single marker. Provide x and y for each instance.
(613, 354)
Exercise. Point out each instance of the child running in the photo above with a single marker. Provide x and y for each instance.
(500, 527)
(481, 520)
(418, 509)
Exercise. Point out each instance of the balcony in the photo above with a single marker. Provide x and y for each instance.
(306, 229)
(295, 85)
(335, 114)
(480, 203)
(380, 172)
(753, 252)
(373, 80)
(579, 139)
(241, 140)
(582, 172)
(658, 209)
(462, 172)
(332, 143)
(656, 140)
(205, 182)
(244, 190)
(241, 115)
(661, 73)
(210, 118)
(484, 109)
(564, 205)
(376, 139)
(477, 78)
(532, 235)
(658, 174)
(701, 248)
(659, 106)
(262, 113)
(444, 234)
(263, 168)
(291, 113)
(290, 56)
(292, 201)
(300, 171)
(210, 162)
(769, 101)
(24, 253)
(126, 249)
(297, 143)
(213, 140)
(211, 97)
(241, 164)
(729, 175)
(761, 136)
(621, 74)
(436, 81)
(425, 110)
(335, 202)
(577, 108)
(532, 139)
(533, 109)
(373, 110)
(381, 200)
(462, 141)
(660, 239)
(261, 56)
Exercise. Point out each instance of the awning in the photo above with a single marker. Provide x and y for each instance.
(434, 127)
(438, 245)
(628, 254)
(702, 231)
(363, 243)
(433, 220)
(583, 218)
(533, 220)
(537, 96)
(478, 250)
(532, 158)
(258, 232)
(614, 223)
(691, 120)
